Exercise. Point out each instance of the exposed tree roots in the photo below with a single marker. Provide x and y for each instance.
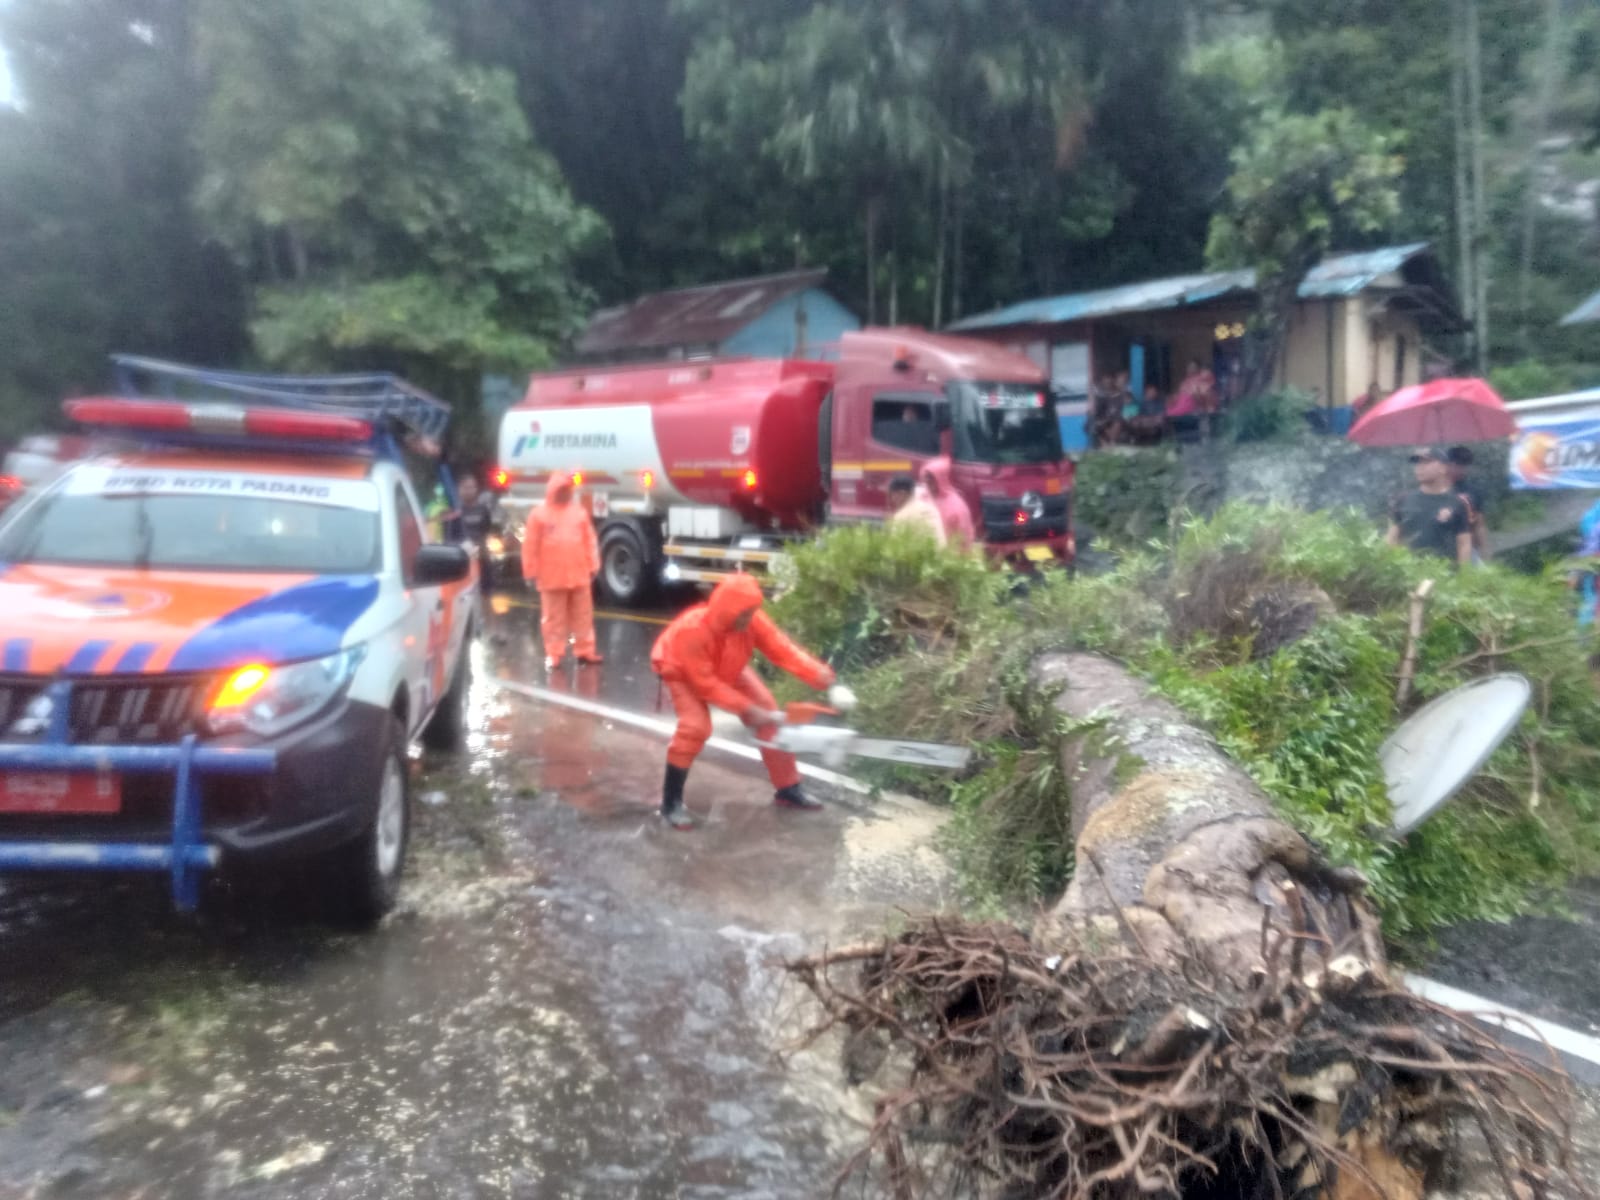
(1106, 1072)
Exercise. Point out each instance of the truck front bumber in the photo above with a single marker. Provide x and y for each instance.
(185, 856)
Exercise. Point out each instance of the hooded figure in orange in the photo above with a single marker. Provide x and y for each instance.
(561, 558)
(704, 658)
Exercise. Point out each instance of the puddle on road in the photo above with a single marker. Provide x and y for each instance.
(571, 1002)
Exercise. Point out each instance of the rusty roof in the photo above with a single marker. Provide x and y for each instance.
(706, 315)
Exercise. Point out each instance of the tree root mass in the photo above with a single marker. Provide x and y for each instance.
(1108, 1072)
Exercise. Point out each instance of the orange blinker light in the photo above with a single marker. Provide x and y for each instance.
(577, 479)
(499, 478)
(749, 481)
(240, 687)
(647, 479)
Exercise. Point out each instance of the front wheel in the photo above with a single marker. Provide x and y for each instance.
(364, 877)
(627, 574)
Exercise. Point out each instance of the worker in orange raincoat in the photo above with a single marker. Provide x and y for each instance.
(561, 558)
(704, 658)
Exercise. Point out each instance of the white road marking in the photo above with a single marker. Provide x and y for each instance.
(664, 728)
(1568, 1042)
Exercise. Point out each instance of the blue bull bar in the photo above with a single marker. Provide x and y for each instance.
(186, 856)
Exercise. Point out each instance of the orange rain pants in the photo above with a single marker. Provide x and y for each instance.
(565, 612)
(694, 727)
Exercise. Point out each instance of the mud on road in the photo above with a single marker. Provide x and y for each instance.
(571, 1001)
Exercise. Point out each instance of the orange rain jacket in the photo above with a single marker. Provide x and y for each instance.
(702, 649)
(558, 544)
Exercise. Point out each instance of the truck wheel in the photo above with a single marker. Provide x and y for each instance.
(364, 877)
(447, 728)
(627, 574)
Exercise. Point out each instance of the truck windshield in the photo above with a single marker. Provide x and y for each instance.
(217, 533)
(1004, 423)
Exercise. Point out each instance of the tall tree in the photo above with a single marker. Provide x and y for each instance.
(386, 197)
(880, 99)
(1300, 185)
(1547, 78)
(1445, 80)
(599, 81)
(101, 251)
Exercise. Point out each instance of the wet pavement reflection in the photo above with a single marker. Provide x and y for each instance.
(572, 1001)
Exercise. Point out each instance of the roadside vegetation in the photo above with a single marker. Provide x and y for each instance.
(1280, 632)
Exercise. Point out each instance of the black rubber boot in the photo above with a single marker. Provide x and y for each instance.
(793, 797)
(672, 810)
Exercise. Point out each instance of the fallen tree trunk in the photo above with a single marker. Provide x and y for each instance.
(1207, 1012)
(1176, 846)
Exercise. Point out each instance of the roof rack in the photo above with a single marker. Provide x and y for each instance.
(378, 397)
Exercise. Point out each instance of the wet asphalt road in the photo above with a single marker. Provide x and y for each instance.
(571, 1001)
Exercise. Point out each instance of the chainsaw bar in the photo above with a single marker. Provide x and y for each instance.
(834, 744)
(920, 754)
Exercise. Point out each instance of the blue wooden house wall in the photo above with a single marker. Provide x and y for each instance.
(772, 334)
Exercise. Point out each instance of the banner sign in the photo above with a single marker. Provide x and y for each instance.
(1558, 451)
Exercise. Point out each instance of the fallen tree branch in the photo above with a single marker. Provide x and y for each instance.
(1408, 661)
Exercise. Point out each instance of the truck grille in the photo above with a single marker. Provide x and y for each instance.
(1000, 520)
(124, 711)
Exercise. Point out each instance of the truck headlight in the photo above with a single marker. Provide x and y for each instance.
(267, 700)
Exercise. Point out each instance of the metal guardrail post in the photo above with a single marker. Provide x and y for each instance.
(59, 731)
(185, 830)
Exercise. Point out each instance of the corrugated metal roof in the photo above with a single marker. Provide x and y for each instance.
(695, 316)
(1588, 311)
(1337, 275)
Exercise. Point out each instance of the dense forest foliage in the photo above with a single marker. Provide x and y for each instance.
(448, 188)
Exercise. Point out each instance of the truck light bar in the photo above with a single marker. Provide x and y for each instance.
(175, 416)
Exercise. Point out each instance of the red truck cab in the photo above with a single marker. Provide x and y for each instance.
(903, 396)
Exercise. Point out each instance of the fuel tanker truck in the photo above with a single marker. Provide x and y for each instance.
(697, 469)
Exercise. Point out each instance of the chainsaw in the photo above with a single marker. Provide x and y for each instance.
(799, 733)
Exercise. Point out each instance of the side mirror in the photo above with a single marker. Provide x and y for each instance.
(439, 564)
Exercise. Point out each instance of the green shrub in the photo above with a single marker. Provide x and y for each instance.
(1306, 721)
(862, 593)
(1532, 379)
(1269, 417)
(938, 651)
(1123, 494)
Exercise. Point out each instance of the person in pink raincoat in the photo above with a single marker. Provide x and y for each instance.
(954, 515)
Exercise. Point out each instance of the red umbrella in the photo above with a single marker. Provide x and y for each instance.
(1444, 410)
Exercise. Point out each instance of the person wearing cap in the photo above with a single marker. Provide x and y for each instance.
(1459, 459)
(1432, 519)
